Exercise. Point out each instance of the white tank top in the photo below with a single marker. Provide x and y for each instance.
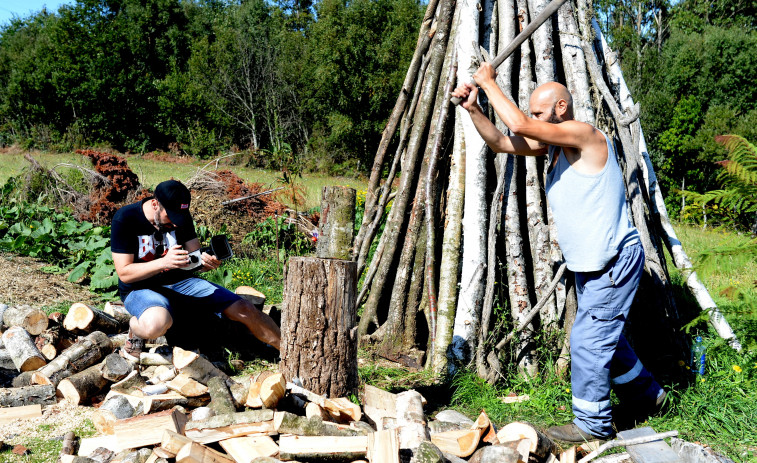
(590, 211)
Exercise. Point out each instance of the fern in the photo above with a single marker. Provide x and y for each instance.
(739, 177)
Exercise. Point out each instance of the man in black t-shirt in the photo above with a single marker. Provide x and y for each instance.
(151, 241)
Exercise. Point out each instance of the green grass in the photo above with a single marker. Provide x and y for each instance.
(44, 449)
(152, 171)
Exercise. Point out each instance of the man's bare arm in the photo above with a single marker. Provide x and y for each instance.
(569, 133)
(130, 272)
(497, 141)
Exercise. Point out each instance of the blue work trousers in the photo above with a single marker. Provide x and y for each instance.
(600, 355)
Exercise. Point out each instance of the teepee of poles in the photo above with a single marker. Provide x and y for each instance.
(457, 247)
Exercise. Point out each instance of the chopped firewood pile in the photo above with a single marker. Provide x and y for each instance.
(176, 405)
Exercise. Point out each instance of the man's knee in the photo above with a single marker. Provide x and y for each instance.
(153, 322)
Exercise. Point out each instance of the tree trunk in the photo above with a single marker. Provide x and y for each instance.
(337, 223)
(473, 273)
(318, 335)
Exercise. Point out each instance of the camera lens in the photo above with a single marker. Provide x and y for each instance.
(193, 259)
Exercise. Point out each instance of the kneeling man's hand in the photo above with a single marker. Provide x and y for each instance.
(210, 262)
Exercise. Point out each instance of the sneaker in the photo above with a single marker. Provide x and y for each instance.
(132, 348)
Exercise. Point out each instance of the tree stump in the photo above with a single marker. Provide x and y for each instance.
(336, 226)
(318, 325)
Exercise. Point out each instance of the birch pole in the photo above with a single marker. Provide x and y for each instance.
(470, 299)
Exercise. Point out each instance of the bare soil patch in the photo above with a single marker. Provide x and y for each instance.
(23, 282)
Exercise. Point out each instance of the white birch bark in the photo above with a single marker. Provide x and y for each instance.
(537, 222)
(680, 258)
(449, 267)
(521, 305)
(470, 300)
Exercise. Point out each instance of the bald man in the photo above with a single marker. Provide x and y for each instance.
(601, 246)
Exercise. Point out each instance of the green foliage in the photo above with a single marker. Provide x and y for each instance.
(280, 235)
(739, 178)
(79, 248)
(207, 76)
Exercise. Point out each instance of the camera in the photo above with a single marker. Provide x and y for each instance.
(219, 247)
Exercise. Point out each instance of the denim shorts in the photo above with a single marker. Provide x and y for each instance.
(188, 295)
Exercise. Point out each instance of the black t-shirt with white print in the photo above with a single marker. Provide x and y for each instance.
(132, 233)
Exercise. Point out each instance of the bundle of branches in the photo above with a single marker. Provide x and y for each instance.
(97, 195)
(116, 185)
(497, 247)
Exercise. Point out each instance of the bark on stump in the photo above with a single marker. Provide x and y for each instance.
(319, 325)
(22, 350)
(337, 223)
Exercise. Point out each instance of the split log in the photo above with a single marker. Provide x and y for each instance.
(253, 396)
(115, 368)
(154, 359)
(22, 350)
(384, 447)
(289, 423)
(272, 389)
(28, 395)
(222, 427)
(187, 386)
(247, 449)
(337, 223)
(198, 453)
(162, 374)
(195, 366)
(132, 382)
(220, 397)
(460, 443)
(23, 412)
(252, 295)
(33, 320)
(313, 409)
(339, 408)
(411, 420)
(146, 430)
(436, 426)
(83, 319)
(172, 442)
(115, 408)
(323, 448)
(485, 429)
(83, 386)
(540, 444)
(84, 353)
(320, 306)
(378, 403)
(453, 416)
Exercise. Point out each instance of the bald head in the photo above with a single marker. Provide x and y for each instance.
(556, 97)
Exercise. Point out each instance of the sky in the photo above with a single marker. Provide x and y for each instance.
(24, 8)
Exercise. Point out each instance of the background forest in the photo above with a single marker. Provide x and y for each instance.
(309, 85)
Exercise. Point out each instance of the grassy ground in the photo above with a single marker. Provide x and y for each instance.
(152, 171)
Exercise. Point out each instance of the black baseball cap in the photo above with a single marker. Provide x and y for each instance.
(175, 198)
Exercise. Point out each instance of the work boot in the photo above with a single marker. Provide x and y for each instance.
(132, 348)
(571, 433)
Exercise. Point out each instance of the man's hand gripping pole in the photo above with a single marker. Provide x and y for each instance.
(550, 9)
